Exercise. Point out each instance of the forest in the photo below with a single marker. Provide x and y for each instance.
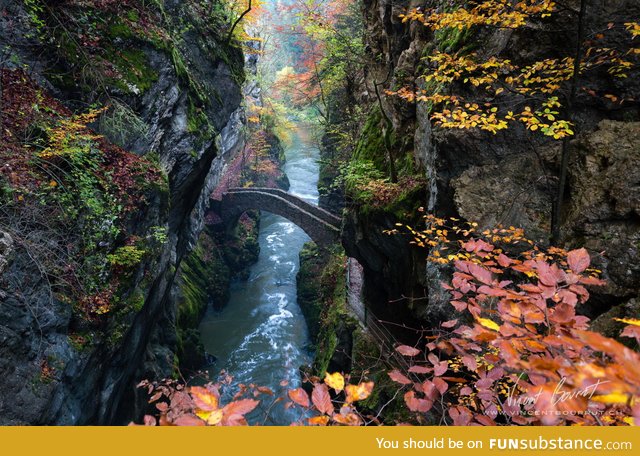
(320, 212)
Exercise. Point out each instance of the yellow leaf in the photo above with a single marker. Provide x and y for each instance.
(489, 324)
(628, 321)
(212, 418)
(335, 381)
(358, 392)
(613, 398)
(629, 420)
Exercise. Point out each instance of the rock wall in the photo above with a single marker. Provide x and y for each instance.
(510, 178)
(182, 94)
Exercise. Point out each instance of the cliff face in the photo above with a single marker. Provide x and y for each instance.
(173, 85)
(509, 178)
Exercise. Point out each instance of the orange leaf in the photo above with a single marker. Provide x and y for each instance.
(203, 398)
(350, 419)
(359, 392)
(321, 399)
(265, 390)
(241, 407)
(299, 396)
(321, 420)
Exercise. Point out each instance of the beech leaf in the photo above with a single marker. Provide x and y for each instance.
(406, 350)
(321, 399)
(578, 260)
(335, 381)
(397, 377)
(299, 396)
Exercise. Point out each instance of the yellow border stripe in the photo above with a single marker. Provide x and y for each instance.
(97, 441)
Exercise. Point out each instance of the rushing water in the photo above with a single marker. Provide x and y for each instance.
(261, 337)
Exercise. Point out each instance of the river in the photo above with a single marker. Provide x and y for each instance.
(261, 336)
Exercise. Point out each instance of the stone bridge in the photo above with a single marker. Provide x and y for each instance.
(321, 226)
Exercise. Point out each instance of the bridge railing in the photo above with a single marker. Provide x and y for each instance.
(386, 341)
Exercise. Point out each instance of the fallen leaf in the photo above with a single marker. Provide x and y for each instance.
(359, 392)
(335, 381)
(321, 399)
(299, 396)
(490, 324)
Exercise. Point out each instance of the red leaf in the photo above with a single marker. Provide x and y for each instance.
(504, 260)
(449, 324)
(461, 416)
(491, 291)
(485, 420)
(407, 350)
(188, 420)
(480, 273)
(397, 377)
(299, 396)
(592, 281)
(568, 297)
(470, 362)
(149, 420)
(420, 369)
(563, 313)
(203, 398)
(321, 399)
(545, 274)
(578, 260)
(440, 368)
(629, 331)
(234, 420)
(459, 305)
(441, 385)
(415, 404)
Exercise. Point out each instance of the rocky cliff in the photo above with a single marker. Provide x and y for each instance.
(71, 353)
(508, 178)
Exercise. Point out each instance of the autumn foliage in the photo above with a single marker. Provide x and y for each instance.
(331, 401)
(470, 90)
(518, 353)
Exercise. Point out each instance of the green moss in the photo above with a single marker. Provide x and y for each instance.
(325, 350)
(336, 323)
(120, 29)
(135, 301)
(135, 68)
(308, 287)
(370, 146)
(451, 39)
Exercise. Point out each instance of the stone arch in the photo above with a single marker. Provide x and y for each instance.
(320, 225)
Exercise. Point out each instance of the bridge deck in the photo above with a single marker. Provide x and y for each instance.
(322, 226)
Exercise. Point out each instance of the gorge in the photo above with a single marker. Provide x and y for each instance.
(165, 166)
